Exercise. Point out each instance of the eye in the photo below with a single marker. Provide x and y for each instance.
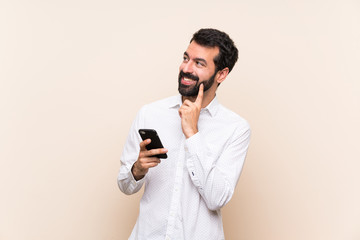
(200, 64)
(185, 59)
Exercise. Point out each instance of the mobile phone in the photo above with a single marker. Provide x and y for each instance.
(155, 140)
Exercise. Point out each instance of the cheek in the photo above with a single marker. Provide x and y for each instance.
(203, 76)
(181, 67)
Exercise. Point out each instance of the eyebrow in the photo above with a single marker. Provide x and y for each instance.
(196, 59)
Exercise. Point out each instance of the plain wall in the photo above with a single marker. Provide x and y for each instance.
(74, 73)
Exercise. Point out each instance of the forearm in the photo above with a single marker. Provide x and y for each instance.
(212, 185)
(215, 174)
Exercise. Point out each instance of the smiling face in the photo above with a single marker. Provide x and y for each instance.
(197, 67)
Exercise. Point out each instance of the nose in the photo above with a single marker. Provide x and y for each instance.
(188, 67)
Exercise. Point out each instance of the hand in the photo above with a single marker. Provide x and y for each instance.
(189, 113)
(146, 160)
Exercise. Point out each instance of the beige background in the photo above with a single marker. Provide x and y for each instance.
(74, 73)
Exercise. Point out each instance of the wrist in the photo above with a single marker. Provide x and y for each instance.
(136, 173)
(190, 133)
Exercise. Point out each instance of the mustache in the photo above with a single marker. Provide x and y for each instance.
(188, 75)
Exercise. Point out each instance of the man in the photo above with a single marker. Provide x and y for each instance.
(206, 146)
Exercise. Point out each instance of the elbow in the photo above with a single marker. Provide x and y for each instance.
(215, 203)
(214, 207)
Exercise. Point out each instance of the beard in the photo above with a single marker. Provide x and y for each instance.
(192, 91)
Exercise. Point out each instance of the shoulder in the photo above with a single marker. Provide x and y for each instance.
(165, 102)
(232, 118)
(161, 104)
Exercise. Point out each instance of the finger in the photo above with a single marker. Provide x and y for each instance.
(152, 164)
(144, 143)
(184, 109)
(152, 153)
(155, 152)
(187, 102)
(200, 95)
(145, 160)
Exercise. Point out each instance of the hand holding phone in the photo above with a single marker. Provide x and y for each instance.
(155, 140)
(147, 158)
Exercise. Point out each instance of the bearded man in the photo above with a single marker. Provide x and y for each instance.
(206, 146)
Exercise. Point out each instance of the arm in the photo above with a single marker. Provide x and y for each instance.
(136, 160)
(126, 181)
(215, 179)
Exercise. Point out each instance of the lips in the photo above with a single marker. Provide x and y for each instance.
(187, 81)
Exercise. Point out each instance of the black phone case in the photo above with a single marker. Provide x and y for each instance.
(155, 140)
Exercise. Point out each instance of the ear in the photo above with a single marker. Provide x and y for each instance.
(222, 74)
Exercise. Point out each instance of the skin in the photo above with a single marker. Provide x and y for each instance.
(145, 160)
(198, 61)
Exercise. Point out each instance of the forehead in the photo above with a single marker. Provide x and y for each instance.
(195, 50)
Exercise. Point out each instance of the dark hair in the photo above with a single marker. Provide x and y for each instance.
(228, 53)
